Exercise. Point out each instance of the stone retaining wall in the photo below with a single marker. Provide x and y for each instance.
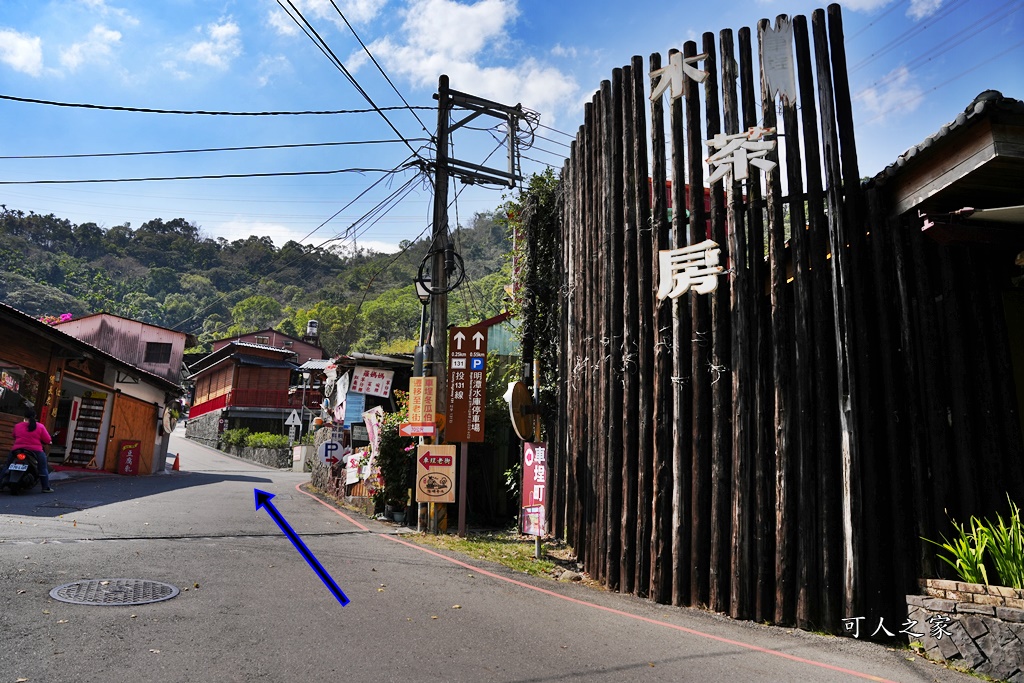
(271, 457)
(981, 627)
(204, 429)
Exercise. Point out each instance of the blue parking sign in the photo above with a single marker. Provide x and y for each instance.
(476, 363)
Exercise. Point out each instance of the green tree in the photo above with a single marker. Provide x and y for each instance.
(162, 281)
(393, 316)
(255, 313)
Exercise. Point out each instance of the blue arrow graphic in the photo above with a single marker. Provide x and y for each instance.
(263, 500)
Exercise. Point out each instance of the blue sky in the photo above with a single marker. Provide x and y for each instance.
(915, 64)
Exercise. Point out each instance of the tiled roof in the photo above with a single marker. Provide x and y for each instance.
(986, 102)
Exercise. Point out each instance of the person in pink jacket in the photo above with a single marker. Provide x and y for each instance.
(33, 436)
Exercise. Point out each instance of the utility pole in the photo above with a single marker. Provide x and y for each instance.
(439, 247)
(442, 257)
(437, 512)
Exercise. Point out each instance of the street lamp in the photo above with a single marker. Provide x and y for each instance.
(422, 355)
(302, 419)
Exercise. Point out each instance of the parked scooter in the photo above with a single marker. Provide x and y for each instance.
(21, 472)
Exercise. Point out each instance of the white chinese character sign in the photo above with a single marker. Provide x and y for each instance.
(535, 470)
(373, 381)
(695, 266)
(467, 384)
(777, 59)
(736, 153)
(673, 77)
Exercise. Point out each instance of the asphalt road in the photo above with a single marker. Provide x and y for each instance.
(251, 608)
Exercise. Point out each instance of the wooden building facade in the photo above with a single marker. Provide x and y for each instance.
(774, 449)
(89, 400)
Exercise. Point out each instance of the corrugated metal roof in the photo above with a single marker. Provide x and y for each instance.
(988, 101)
(260, 361)
(315, 364)
(70, 341)
(250, 345)
(395, 359)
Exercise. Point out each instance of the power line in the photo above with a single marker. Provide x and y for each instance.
(899, 40)
(543, 163)
(99, 155)
(966, 33)
(194, 177)
(557, 142)
(379, 68)
(325, 48)
(555, 130)
(881, 16)
(145, 110)
(946, 81)
(281, 267)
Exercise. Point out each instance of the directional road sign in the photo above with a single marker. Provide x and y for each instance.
(435, 474)
(417, 429)
(467, 386)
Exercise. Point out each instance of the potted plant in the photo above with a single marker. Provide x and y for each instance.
(978, 617)
(395, 462)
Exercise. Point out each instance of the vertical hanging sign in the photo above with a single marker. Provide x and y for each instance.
(467, 368)
(534, 488)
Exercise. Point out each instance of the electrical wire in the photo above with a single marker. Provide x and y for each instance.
(402, 166)
(379, 68)
(945, 82)
(542, 163)
(199, 112)
(966, 33)
(881, 16)
(557, 142)
(555, 130)
(901, 39)
(472, 300)
(325, 48)
(217, 301)
(99, 155)
(195, 177)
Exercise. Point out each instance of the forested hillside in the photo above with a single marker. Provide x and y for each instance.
(169, 273)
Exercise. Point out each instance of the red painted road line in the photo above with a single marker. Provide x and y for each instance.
(611, 610)
(332, 509)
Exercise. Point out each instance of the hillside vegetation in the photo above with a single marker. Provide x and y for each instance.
(169, 273)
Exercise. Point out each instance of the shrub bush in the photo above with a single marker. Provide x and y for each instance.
(234, 437)
(266, 440)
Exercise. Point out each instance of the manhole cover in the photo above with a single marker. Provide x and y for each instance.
(113, 592)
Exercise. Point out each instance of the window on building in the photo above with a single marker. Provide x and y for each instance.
(260, 339)
(157, 352)
(288, 343)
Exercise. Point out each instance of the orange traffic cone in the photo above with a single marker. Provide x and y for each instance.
(176, 468)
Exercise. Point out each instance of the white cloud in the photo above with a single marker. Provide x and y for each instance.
(454, 38)
(223, 45)
(920, 9)
(562, 51)
(357, 12)
(455, 30)
(106, 10)
(21, 52)
(96, 47)
(270, 68)
(894, 94)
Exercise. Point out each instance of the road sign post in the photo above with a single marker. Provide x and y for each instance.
(467, 395)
